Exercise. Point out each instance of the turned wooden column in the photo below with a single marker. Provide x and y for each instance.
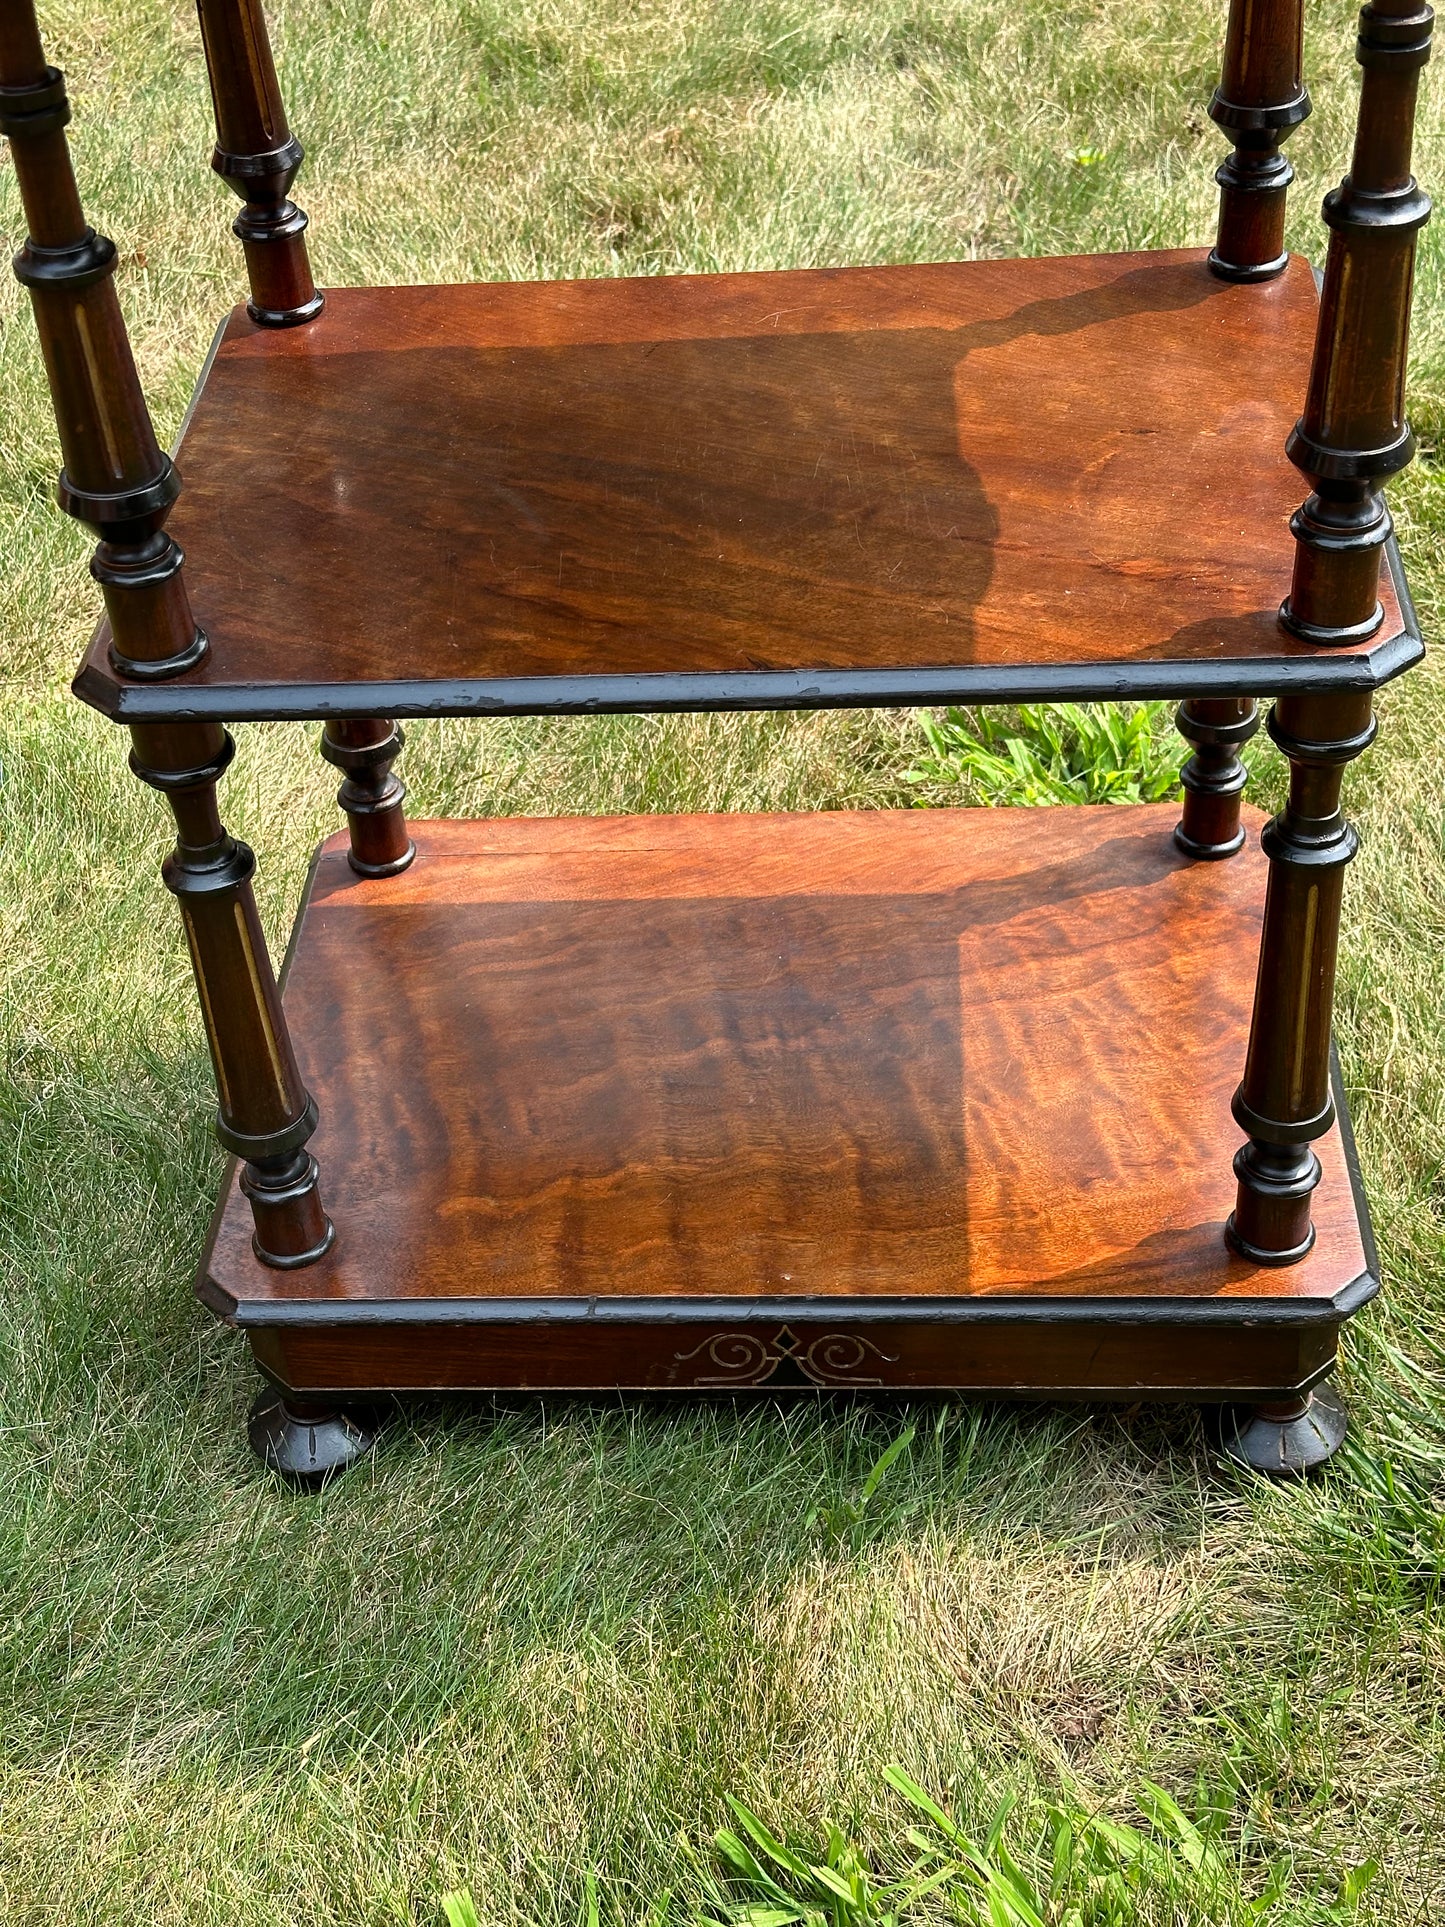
(1260, 99)
(116, 479)
(371, 794)
(258, 156)
(1352, 435)
(1284, 1101)
(1214, 776)
(266, 1116)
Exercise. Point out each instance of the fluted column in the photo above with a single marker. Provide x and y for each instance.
(115, 477)
(1351, 435)
(1284, 1101)
(265, 1115)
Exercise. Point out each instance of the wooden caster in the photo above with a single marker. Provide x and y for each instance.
(305, 1442)
(1285, 1439)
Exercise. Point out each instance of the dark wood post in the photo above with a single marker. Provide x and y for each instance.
(1260, 98)
(258, 156)
(1284, 1100)
(1353, 434)
(371, 795)
(116, 479)
(1214, 777)
(266, 1115)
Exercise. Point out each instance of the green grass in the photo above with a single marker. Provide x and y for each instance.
(1042, 753)
(533, 1647)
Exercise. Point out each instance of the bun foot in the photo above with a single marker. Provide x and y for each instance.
(1286, 1438)
(305, 1441)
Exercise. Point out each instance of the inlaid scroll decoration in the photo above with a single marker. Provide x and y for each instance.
(745, 1358)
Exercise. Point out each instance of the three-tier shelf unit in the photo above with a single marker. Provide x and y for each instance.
(1023, 1103)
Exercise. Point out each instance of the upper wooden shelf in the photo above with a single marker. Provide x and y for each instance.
(985, 480)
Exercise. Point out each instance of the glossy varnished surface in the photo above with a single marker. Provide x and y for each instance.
(958, 1060)
(873, 484)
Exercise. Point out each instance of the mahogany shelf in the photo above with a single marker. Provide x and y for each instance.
(923, 1098)
(973, 481)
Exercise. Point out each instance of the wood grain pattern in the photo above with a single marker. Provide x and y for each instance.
(1061, 472)
(939, 1057)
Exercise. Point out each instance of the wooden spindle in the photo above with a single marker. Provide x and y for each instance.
(1284, 1101)
(1260, 99)
(1351, 436)
(371, 794)
(258, 157)
(1214, 776)
(1353, 433)
(266, 1115)
(116, 479)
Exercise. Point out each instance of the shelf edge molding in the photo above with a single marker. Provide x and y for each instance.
(700, 692)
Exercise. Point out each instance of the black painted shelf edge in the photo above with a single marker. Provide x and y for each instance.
(751, 689)
(1235, 1314)
(364, 1395)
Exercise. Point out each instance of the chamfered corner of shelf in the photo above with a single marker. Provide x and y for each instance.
(1393, 657)
(1354, 1296)
(93, 685)
(224, 1304)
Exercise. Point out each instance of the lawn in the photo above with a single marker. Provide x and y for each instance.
(532, 1647)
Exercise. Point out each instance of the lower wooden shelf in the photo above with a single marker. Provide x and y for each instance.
(902, 1099)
